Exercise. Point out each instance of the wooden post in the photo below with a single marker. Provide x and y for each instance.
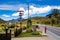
(10, 34)
(6, 32)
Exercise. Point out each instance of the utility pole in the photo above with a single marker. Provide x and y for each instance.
(28, 8)
(29, 22)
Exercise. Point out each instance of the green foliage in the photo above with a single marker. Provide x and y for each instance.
(24, 34)
(58, 25)
(17, 26)
(29, 30)
(24, 28)
(54, 17)
(35, 33)
(29, 23)
(12, 26)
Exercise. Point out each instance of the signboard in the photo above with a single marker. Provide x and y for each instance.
(20, 19)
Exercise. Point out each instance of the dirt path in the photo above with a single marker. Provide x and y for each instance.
(32, 38)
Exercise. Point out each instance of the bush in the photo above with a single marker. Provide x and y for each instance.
(12, 26)
(35, 33)
(29, 30)
(57, 25)
(24, 27)
(17, 26)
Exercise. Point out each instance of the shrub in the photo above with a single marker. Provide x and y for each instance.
(58, 25)
(24, 28)
(35, 33)
(29, 30)
(17, 26)
(12, 26)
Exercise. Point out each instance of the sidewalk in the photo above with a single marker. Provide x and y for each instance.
(32, 38)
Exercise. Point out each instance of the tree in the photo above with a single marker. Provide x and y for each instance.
(29, 22)
(53, 16)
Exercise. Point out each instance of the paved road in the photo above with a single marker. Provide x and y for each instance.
(52, 31)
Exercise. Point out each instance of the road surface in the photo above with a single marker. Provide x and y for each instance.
(53, 32)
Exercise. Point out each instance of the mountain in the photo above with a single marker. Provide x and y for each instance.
(2, 21)
(55, 13)
(15, 20)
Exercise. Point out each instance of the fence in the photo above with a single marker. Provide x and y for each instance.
(17, 32)
(5, 36)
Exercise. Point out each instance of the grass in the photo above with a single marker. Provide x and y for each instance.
(31, 34)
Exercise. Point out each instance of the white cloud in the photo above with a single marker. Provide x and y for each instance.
(16, 7)
(15, 14)
(22, 9)
(55, 7)
(11, 7)
(7, 7)
(40, 9)
(5, 15)
(6, 19)
(34, 10)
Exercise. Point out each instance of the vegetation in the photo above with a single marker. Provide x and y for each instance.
(2, 21)
(51, 19)
(31, 34)
(54, 17)
(29, 30)
(35, 33)
(2, 25)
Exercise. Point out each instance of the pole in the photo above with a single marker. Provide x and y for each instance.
(28, 11)
(10, 34)
(20, 16)
(21, 20)
(6, 33)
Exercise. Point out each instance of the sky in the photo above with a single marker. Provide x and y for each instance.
(9, 8)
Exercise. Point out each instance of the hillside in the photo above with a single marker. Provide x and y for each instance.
(1, 21)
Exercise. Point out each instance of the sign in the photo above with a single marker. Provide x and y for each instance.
(20, 19)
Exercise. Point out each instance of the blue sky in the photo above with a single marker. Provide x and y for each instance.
(9, 8)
